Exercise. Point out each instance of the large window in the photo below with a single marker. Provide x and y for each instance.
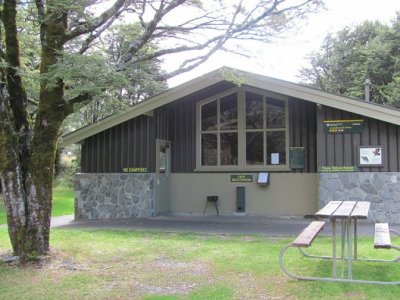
(219, 132)
(243, 130)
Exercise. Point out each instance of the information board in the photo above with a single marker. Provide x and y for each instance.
(297, 158)
(343, 126)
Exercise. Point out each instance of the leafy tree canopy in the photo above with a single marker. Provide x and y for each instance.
(369, 51)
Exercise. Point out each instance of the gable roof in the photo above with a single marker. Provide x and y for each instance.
(291, 89)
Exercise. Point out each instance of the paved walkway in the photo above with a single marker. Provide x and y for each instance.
(208, 224)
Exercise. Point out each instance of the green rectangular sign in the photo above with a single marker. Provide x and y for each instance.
(241, 178)
(337, 169)
(297, 158)
(343, 126)
(134, 170)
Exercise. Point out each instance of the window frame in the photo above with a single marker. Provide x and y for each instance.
(241, 132)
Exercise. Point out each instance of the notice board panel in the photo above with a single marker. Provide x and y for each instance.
(297, 157)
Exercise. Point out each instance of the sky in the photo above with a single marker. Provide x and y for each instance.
(283, 59)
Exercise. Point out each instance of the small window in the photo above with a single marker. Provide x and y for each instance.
(254, 111)
(209, 149)
(229, 153)
(254, 148)
(209, 116)
(276, 148)
(228, 113)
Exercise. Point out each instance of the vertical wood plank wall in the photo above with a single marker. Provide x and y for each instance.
(341, 149)
(130, 144)
(302, 132)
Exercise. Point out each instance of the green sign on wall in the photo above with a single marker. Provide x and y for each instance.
(297, 158)
(337, 169)
(134, 170)
(241, 178)
(343, 126)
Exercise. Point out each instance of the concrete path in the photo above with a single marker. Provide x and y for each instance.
(208, 224)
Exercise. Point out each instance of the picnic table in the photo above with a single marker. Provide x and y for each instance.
(348, 213)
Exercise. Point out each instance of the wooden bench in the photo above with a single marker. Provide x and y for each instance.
(382, 236)
(306, 237)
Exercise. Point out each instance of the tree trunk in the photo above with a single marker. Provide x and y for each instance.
(27, 166)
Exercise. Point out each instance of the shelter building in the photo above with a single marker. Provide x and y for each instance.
(263, 146)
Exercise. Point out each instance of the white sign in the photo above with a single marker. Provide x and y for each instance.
(274, 158)
(371, 156)
(263, 178)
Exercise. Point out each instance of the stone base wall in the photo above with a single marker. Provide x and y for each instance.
(381, 189)
(110, 196)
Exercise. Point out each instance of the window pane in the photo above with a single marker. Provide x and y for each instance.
(209, 116)
(276, 148)
(228, 112)
(229, 152)
(254, 148)
(209, 149)
(275, 113)
(162, 159)
(254, 111)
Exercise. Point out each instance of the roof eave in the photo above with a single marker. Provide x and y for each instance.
(144, 107)
(360, 107)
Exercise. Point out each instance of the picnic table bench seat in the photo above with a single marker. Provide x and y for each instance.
(382, 236)
(306, 237)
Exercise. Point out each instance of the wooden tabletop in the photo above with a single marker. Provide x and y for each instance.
(344, 209)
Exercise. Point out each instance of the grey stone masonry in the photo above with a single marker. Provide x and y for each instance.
(114, 195)
(380, 188)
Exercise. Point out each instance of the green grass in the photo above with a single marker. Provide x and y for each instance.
(110, 264)
(63, 203)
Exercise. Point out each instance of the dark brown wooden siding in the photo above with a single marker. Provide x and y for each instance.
(341, 149)
(128, 145)
(162, 117)
(303, 131)
(182, 127)
(183, 137)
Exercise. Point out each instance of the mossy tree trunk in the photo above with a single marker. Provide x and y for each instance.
(26, 168)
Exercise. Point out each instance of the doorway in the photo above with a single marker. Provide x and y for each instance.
(163, 176)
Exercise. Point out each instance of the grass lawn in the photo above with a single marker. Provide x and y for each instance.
(63, 203)
(109, 264)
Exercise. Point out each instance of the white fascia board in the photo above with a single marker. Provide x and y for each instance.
(144, 107)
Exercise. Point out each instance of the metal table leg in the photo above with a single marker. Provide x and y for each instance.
(349, 249)
(355, 239)
(334, 248)
(343, 227)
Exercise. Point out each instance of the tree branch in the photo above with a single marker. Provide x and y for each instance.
(90, 26)
(41, 18)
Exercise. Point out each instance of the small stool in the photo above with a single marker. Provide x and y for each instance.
(214, 200)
